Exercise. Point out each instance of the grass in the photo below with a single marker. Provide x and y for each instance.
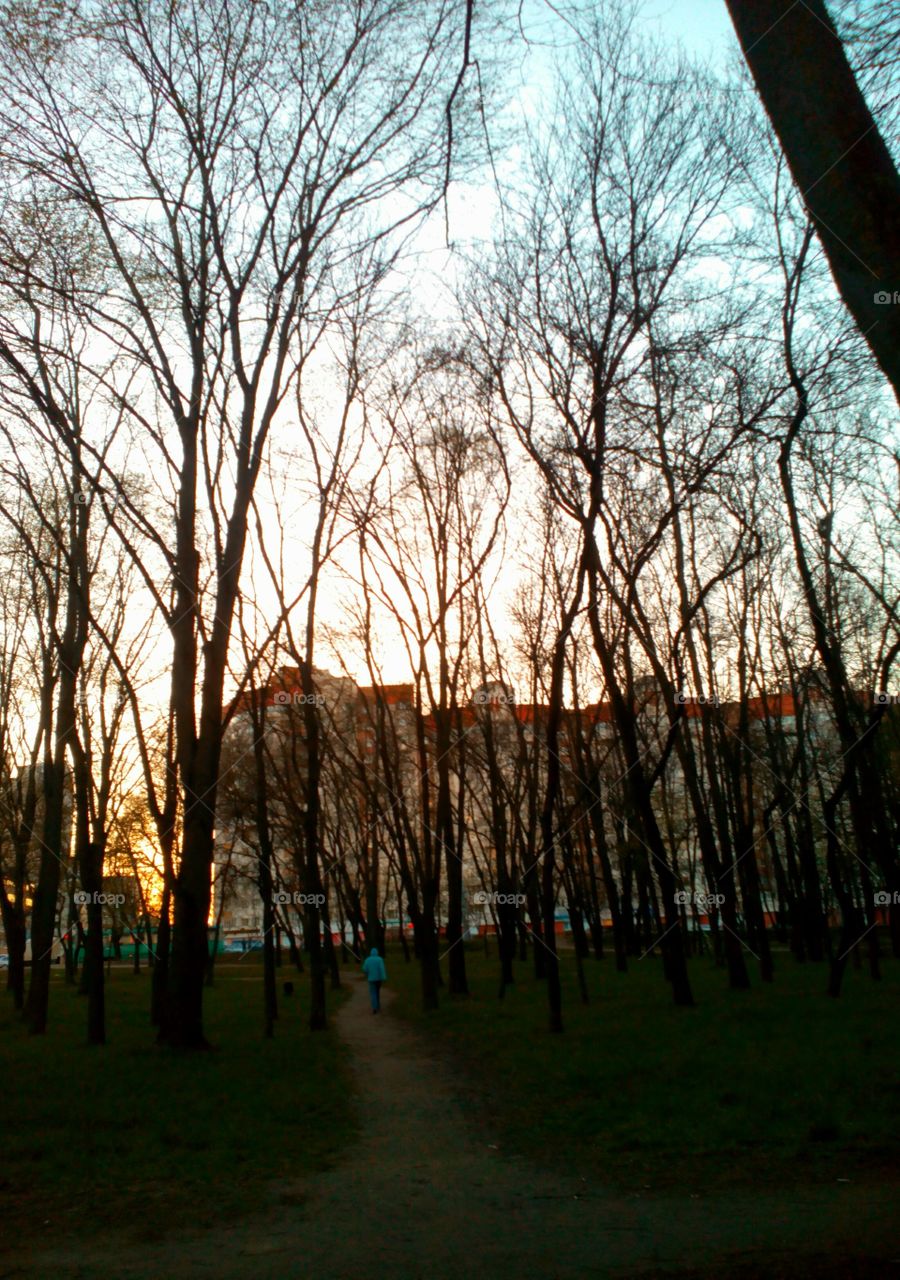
(776, 1085)
(779, 1086)
(136, 1136)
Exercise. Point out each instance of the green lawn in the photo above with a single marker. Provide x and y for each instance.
(138, 1136)
(775, 1084)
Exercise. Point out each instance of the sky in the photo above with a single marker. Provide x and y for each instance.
(704, 30)
(702, 26)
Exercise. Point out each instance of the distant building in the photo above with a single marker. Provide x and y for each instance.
(372, 739)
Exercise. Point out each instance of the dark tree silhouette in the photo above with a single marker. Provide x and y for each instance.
(837, 156)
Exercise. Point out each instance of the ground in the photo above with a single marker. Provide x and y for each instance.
(429, 1189)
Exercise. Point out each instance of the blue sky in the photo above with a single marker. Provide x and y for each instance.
(702, 26)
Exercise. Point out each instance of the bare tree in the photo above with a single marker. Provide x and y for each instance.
(232, 159)
(628, 183)
(428, 544)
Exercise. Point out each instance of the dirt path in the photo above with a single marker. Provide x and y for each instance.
(427, 1192)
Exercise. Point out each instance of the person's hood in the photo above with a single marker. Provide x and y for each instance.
(374, 951)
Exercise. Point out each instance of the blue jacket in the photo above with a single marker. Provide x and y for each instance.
(373, 967)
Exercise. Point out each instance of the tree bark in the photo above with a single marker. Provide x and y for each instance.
(837, 156)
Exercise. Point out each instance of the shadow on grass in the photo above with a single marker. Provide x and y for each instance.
(779, 1085)
(140, 1138)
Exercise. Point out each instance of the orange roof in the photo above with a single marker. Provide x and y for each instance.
(287, 680)
(389, 693)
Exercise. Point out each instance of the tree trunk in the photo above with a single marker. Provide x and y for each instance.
(160, 983)
(92, 880)
(43, 908)
(15, 931)
(838, 158)
(183, 1020)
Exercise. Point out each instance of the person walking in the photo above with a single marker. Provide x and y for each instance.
(373, 968)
